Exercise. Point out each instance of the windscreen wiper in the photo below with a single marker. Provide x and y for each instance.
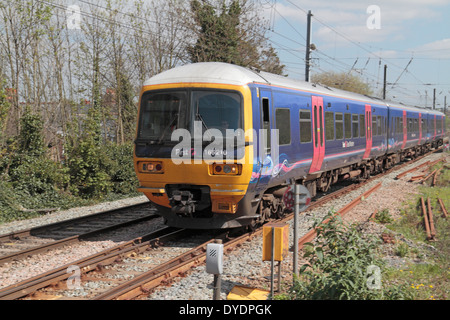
(165, 129)
(199, 116)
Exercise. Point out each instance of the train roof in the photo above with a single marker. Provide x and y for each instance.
(224, 73)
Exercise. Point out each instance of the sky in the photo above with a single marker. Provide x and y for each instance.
(411, 37)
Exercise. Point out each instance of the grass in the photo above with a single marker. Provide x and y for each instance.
(427, 274)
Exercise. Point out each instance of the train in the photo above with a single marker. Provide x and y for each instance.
(218, 145)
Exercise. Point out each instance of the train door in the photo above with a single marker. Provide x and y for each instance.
(405, 129)
(420, 128)
(264, 138)
(435, 131)
(369, 138)
(318, 134)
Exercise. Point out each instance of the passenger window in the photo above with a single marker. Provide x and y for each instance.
(374, 126)
(283, 123)
(329, 126)
(355, 124)
(339, 126)
(380, 127)
(362, 126)
(348, 125)
(305, 126)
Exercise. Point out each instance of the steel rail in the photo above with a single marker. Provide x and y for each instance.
(444, 210)
(69, 240)
(41, 229)
(89, 263)
(425, 218)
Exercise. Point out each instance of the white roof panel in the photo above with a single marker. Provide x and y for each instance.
(224, 73)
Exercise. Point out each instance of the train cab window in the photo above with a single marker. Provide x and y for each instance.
(266, 122)
(339, 126)
(161, 113)
(348, 125)
(305, 126)
(219, 110)
(362, 126)
(329, 126)
(283, 123)
(355, 124)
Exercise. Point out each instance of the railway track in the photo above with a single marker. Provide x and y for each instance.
(131, 270)
(25, 243)
(134, 268)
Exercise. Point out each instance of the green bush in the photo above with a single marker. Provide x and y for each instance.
(121, 169)
(338, 265)
(37, 175)
(9, 209)
(91, 171)
(88, 165)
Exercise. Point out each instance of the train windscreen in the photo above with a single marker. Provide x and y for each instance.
(203, 114)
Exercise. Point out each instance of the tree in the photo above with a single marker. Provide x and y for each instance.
(4, 110)
(345, 81)
(232, 33)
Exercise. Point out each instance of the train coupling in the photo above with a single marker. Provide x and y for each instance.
(182, 202)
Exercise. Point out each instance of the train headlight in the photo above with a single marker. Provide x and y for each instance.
(151, 167)
(226, 169)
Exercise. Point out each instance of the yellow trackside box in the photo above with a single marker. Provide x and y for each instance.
(281, 245)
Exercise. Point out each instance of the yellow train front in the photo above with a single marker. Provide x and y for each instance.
(187, 166)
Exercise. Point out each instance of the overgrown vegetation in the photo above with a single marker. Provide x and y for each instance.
(30, 180)
(411, 267)
(428, 270)
(342, 265)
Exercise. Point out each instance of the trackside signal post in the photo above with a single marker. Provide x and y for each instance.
(214, 265)
(275, 247)
(302, 201)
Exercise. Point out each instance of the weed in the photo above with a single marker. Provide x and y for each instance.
(383, 216)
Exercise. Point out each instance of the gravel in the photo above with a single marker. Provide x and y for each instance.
(243, 266)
